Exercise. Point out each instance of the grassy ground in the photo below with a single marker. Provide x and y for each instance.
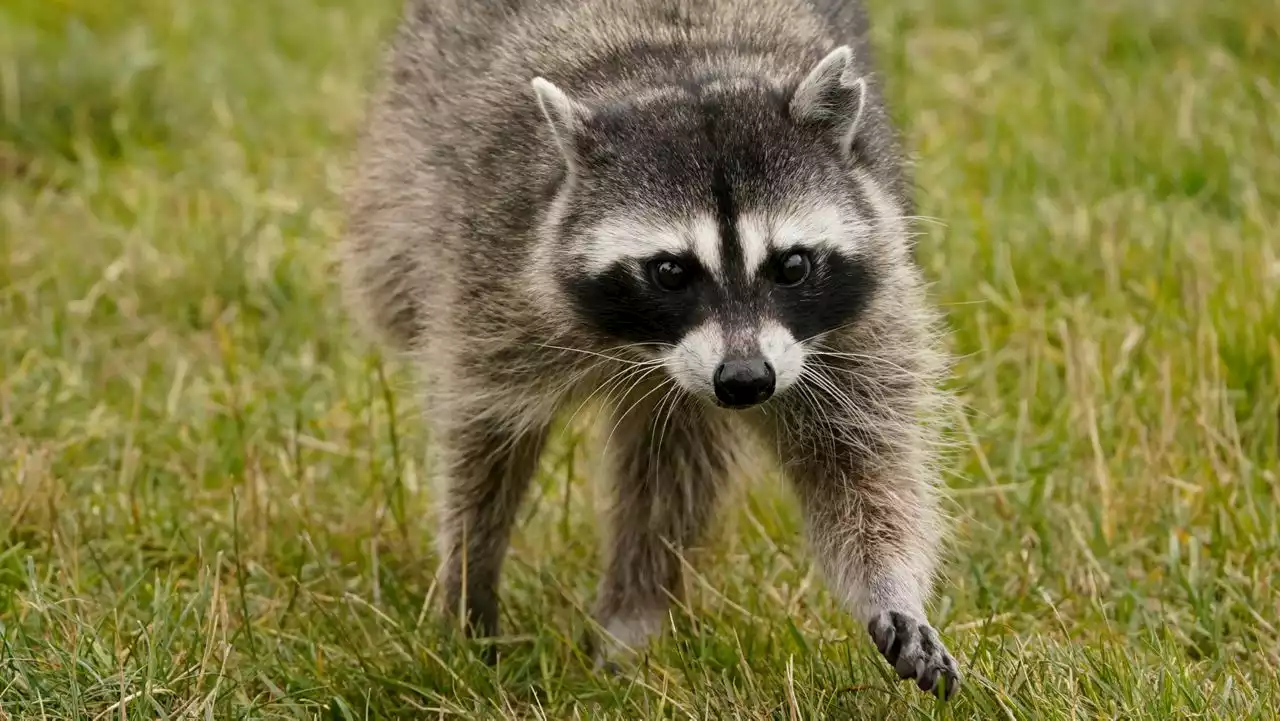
(211, 499)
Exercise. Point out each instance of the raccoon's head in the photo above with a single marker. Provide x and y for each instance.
(721, 225)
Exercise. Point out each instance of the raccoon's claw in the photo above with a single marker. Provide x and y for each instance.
(608, 667)
(913, 649)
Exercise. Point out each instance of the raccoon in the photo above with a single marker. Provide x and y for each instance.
(696, 213)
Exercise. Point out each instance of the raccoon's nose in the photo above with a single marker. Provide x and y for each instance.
(744, 383)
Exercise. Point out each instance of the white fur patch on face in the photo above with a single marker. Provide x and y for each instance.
(630, 238)
(705, 233)
(693, 362)
(754, 233)
(783, 352)
(811, 225)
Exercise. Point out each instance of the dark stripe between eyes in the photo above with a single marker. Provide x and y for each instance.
(731, 258)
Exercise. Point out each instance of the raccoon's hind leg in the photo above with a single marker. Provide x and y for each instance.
(669, 467)
(871, 516)
(487, 466)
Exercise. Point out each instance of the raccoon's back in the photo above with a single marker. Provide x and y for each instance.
(398, 255)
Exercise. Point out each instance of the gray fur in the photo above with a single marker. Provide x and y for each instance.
(458, 239)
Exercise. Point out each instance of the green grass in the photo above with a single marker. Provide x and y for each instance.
(212, 503)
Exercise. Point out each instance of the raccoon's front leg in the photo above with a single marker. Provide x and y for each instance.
(487, 469)
(669, 467)
(873, 526)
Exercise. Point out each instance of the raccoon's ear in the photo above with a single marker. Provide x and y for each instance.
(566, 116)
(832, 94)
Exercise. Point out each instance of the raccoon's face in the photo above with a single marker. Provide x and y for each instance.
(720, 228)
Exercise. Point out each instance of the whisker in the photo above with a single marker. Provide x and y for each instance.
(674, 396)
(816, 408)
(617, 378)
(630, 408)
(582, 373)
(860, 417)
(871, 387)
(869, 359)
(922, 218)
(587, 352)
(823, 333)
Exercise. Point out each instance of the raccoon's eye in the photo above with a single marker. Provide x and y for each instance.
(793, 268)
(669, 275)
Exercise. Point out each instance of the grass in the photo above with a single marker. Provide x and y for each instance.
(213, 503)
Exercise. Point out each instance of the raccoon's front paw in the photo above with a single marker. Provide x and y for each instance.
(607, 657)
(913, 649)
(622, 640)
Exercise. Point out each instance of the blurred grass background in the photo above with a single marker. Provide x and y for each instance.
(212, 502)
